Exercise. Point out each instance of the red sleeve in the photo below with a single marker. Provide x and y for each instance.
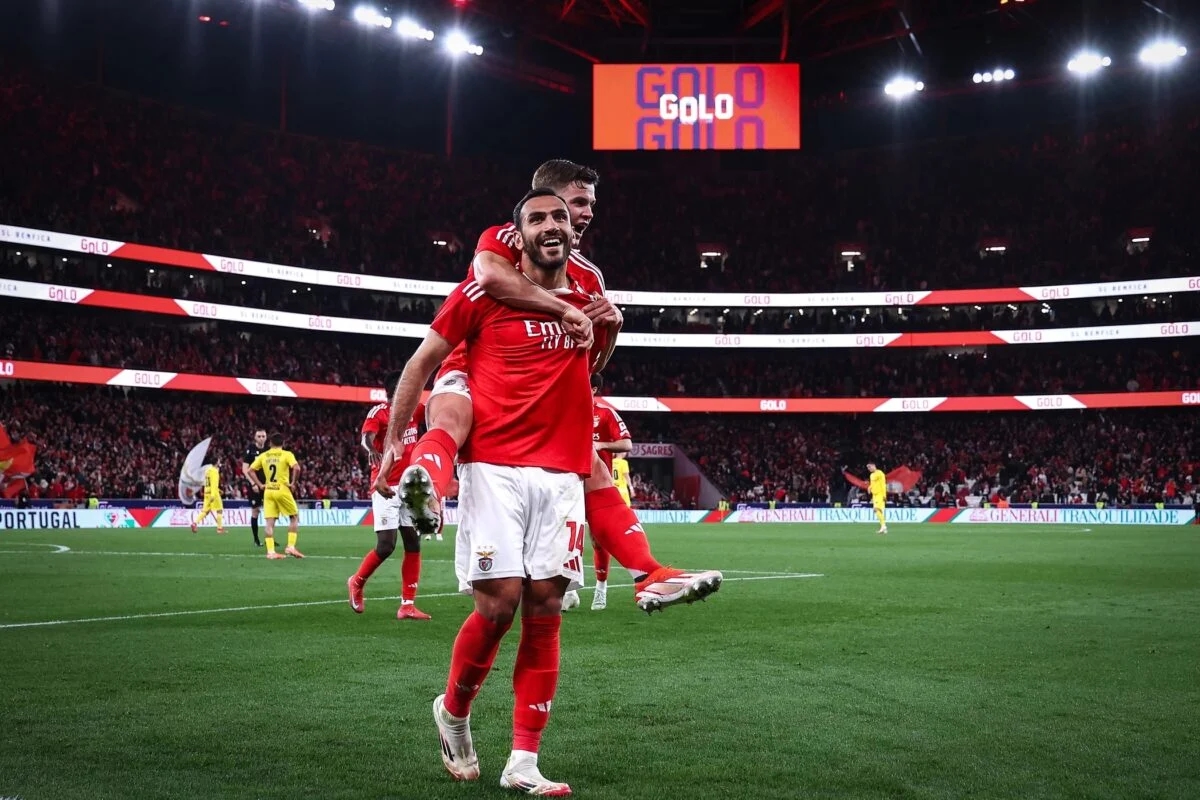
(501, 240)
(459, 316)
(376, 421)
(621, 428)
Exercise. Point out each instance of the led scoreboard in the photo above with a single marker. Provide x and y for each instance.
(696, 107)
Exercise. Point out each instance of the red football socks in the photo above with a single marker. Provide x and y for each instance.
(535, 679)
(601, 560)
(475, 649)
(370, 563)
(410, 576)
(435, 452)
(615, 529)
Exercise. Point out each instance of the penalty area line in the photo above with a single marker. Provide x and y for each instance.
(311, 603)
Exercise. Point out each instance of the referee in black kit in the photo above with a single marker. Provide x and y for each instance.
(255, 495)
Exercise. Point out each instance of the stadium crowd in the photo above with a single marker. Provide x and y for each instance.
(39, 265)
(128, 443)
(112, 339)
(89, 161)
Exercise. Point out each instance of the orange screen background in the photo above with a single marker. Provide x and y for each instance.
(622, 122)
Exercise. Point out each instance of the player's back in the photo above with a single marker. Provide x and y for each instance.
(212, 479)
(277, 463)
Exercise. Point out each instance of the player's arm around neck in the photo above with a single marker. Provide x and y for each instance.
(503, 282)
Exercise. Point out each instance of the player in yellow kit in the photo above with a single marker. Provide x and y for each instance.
(280, 468)
(878, 495)
(620, 473)
(212, 499)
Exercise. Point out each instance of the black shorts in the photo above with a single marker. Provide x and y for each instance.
(255, 497)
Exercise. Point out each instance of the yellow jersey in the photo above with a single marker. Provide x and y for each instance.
(620, 472)
(276, 464)
(212, 482)
(878, 486)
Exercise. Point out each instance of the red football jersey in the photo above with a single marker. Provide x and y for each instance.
(377, 423)
(529, 382)
(502, 240)
(607, 426)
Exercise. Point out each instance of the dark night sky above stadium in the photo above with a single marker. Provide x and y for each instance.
(530, 92)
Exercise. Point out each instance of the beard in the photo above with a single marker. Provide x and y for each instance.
(538, 256)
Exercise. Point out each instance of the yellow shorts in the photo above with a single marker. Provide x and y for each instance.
(279, 503)
(625, 496)
(878, 505)
(213, 505)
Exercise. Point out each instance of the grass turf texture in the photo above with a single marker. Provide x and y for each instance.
(938, 662)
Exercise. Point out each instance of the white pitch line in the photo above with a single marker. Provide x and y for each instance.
(272, 606)
(259, 555)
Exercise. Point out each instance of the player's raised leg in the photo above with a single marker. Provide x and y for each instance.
(448, 415)
(616, 529)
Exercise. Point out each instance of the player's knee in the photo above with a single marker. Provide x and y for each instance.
(411, 540)
(385, 545)
(452, 414)
(497, 600)
(544, 598)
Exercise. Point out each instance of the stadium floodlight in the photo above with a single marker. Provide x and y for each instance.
(367, 15)
(317, 5)
(1162, 53)
(995, 76)
(412, 30)
(457, 44)
(1088, 62)
(901, 87)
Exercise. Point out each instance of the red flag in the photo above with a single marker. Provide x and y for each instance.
(13, 488)
(4, 440)
(15, 459)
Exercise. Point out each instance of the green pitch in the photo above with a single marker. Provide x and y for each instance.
(937, 662)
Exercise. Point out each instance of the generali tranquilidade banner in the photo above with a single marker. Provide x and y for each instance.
(696, 106)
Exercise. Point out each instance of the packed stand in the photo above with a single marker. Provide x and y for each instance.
(112, 339)
(125, 443)
(43, 266)
(88, 161)
(1122, 458)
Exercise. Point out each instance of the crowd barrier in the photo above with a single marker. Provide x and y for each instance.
(201, 310)
(267, 387)
(183, 259)
(178, 517)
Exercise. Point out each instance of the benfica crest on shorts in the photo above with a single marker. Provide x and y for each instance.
(485, 559)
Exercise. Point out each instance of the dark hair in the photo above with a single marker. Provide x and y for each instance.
(597, 381)
(390, 381)
(559, 173)
(277, 440)
(531, 194)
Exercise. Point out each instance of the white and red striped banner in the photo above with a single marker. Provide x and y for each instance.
(103, 298)
(183, 259)
(267, 387)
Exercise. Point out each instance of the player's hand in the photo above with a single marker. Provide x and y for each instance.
(374, 459)
(578, 326)
(601, 311)
(381, 486)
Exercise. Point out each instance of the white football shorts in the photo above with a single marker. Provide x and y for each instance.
(390, 515)
(518, 522)
(453, 382)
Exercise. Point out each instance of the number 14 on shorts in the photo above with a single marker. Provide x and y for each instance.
(574, 560)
